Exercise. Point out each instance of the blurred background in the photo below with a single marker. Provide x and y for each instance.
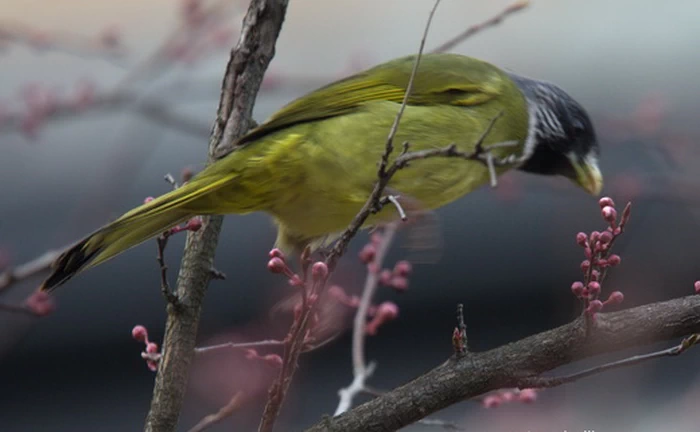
(99, 100)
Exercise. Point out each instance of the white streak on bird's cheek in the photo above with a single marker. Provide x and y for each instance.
(531, 139)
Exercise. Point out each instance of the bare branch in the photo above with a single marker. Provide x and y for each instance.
(106, 45)
(151, 109)
(546, 382)
(220, 415)
(383, 173)
(361, 371)
(389, 148)
(471, 31)
(241, 82)
(476, 374)
(34, 268)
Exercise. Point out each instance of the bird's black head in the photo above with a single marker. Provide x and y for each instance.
(562, 136)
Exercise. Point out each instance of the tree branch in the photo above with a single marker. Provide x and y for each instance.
(244, 73)
(360, 369)
(491, 22)
(478, 373)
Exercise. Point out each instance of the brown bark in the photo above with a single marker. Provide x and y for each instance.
(244, 73)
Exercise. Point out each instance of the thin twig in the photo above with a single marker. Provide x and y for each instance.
(361, 371)
(389, 148)
(94, 46)
(225, 412)
(239, 345)
(547, 382)
(382, 173)
(170, 297)
(35, 267)
(395, 201)
(471, 31)
(224, 346)
(159, 112)
(16, 308)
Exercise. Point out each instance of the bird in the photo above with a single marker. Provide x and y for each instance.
(313, 164)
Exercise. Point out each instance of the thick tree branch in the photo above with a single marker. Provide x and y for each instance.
(244, 73)
(512, 364)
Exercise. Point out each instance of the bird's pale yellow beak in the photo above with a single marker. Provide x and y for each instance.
(588, 174)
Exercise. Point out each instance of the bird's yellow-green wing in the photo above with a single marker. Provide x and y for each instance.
(442, 79)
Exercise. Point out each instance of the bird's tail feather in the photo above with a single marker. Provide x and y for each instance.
(133, 228)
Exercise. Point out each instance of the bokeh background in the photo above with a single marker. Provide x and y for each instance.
(137, 84)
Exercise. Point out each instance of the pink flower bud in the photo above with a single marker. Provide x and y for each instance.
(140, 333)
(403, 268)
(527, 395)
(602, 263)
(588, 252)
(111, 37)
(615, 298)
(595, 275)
(585, 265)
(273, 360)
(399, 283)
(594, 306)
(368, 253)
(186, 174)
(577, 288)
(491, 401)
(276, 253)
(697, 287)
(609, 214)
(276, 265)
(386, 311)
(152, 365)
(151, 348)
(626, 214)
(606, 237)
(508, 396)
(581, 239)
(593, 288)
(385, 277)
(148, 199)
(295, 281)
(194, 224)
(595, 235)
(614, 260)
(319, 270)
(40, 303)
(606, 202)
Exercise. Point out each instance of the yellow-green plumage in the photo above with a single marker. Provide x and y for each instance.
(313, 164)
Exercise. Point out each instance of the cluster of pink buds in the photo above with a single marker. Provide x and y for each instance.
(496, 399)
(597, 247)
(396, 278)
(278, 265)
(151, 354)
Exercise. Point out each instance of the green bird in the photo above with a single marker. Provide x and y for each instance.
(313, 164)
